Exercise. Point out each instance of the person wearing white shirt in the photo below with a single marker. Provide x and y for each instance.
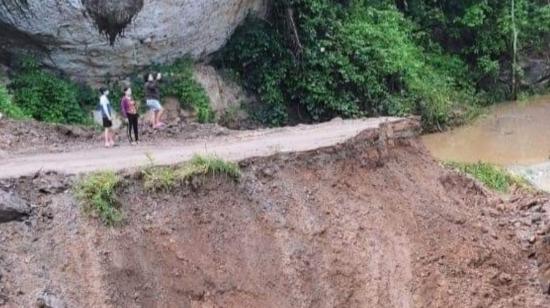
(107, 115)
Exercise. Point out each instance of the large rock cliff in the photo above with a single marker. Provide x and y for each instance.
(89, 39)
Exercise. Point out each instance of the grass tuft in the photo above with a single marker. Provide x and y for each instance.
(212, 165)
(492, 176)
(165, 178)
(97, 194)
(159, 178)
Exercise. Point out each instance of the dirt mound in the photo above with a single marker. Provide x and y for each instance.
(369, 223)
(24, 137)
(20, 135)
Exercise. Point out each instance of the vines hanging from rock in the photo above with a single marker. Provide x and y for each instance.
(283, 11)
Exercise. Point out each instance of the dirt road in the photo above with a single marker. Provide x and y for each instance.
(236, 146)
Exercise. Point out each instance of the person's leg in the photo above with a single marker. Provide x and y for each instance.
(132, 127)
(136, 130)
(158, 113)
(129, 130)
(107, 143)
(151, 106)
(161, 112)
(112, 136)
(156, 118)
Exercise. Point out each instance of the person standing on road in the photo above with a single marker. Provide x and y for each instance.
(129, 110)
(107, 116)
(152, 96)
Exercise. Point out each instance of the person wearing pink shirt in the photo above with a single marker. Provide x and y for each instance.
(129, 110)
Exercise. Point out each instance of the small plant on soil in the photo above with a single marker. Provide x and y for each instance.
(165, 178)
(230, 118)
(492, 176)
(159, 178)
(97, 194)
(210, 165)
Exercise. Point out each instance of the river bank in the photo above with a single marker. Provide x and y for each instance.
(513, 135)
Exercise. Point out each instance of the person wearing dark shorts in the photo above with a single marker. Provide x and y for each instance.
(129, 110)
(107, 115)
(107, 123)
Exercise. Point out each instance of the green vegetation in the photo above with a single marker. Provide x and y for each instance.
(47, 97)
(159, 178)
(326, 58)
(7, 107)
(492, 176)
(97, 192)
(210, 165)
(177, 81)
(231, 117)
(165, 178)
(181, 84)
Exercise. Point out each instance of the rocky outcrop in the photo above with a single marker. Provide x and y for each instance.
(48, 300)
(227, 99)
(89, 39)
(12, 207)
(536, 72)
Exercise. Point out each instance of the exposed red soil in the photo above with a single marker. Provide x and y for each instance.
(362, 224)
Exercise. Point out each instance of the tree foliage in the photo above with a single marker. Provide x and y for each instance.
(481, 32)
(327, 58)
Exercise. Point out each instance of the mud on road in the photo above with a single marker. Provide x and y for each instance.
(373, 222)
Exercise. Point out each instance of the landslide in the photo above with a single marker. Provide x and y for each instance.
(368, 223)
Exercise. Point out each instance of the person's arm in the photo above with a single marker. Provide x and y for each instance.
(124, 107)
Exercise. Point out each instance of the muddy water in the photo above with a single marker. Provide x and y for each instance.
(515, 133)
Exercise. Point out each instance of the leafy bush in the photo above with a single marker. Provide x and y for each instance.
(180, 83)
(7, 107)
(492, 176)
(47, 97)
(97, 192)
